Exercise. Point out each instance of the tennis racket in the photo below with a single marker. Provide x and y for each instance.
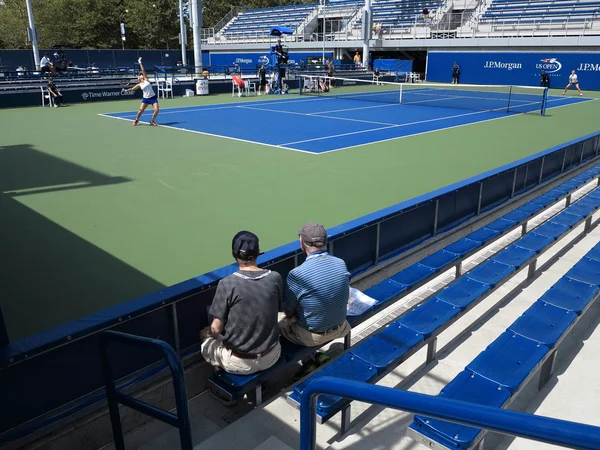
(125, 84)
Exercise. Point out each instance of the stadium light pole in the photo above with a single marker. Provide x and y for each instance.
(33, 35)
(196, 16)
(367, 27)
(182, 33)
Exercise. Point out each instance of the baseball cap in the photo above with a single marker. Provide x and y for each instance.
(245, 245)
(313, 234)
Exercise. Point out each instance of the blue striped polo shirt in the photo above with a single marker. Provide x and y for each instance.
(318, 291)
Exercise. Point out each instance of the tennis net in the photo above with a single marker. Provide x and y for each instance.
(507, 99)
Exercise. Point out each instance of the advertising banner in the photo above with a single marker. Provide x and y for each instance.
(516, 68)
(249, 61)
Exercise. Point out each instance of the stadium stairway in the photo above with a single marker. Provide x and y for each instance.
(275, 425)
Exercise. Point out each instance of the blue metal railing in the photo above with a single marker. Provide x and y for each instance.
(114, 397)
(544, 429)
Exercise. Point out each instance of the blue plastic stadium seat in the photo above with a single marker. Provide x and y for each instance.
(429, 316)
(501, 224)
(582, 208)
(347, 367)
(594, 253)
(463, 246)
(385, 291)
(570, 294)
(463, 292)
(412, 275)
(439, 259)
(552, 230)
(508, 360)
(517, 215)
(531, 207)
(534, 241)
(483, 235)
(466, 387)
(586, 270)
(543, 323)
(544, 200)
(491, 272)
(388, 347)
(566, 218)
(514, 256)
(558, 192)
(238, 385)
(591, 201)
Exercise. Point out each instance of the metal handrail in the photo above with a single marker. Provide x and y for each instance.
(539, 428)
(114, 397)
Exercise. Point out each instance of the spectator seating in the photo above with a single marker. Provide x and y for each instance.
(545, 14)
(400, 14)
(496, 376)
(380, 353)
(260, 21)
(455, 299)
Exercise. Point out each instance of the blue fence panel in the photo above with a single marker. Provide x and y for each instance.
(457, 205)
(249, 61)
(11, 59)
(515, 68)
(393, 65)
(497, 189)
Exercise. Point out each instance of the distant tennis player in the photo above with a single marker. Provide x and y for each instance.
(455, 73)
(149, 97)
(573, 80)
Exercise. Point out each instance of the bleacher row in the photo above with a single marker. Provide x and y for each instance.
(393, 14)
(260, 21)
(498, 373)
(451, 303)
(377, 355)
(389, 13)
(511, 11)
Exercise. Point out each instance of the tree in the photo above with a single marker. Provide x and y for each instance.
(152, 23)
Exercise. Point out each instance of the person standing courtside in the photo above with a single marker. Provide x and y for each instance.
(455, 73)
(243, 337)
(316, 299)
(573, 80)
(544, 79)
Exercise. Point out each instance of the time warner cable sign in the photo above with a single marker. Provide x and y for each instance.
(516, 68)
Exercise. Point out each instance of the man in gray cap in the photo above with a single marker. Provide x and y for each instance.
(243, 337)
(316, 298)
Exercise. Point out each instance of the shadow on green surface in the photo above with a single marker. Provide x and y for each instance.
(49, 275)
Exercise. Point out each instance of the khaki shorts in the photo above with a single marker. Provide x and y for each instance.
(293, 332)
(218, 355)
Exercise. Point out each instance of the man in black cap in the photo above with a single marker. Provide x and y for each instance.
(243, 337)
(316, 299)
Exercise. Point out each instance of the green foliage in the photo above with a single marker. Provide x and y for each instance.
(95, 23)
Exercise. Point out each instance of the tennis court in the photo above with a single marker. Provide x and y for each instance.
(357, 115)
(96, 212)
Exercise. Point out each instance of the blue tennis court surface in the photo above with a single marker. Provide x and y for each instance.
(328, 123)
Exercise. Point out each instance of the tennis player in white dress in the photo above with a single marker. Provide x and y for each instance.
(573, 80)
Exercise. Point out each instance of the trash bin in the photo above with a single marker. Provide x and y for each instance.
(202, 87)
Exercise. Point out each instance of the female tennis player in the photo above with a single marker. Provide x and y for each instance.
(573, 80)
(149, 97)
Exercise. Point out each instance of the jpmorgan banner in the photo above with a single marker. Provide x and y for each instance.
(516, 68)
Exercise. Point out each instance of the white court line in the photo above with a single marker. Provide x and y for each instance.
(186, 109)
(442, 129)
(320, 114)
(282, 146)
(214, 135)
(385, 105)
(383, 128)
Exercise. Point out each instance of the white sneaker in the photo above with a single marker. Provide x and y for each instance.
(259, 93)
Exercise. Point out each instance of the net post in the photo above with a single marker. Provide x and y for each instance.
(509, 95)
(300, 83)
(401, 86)
(544, 101)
